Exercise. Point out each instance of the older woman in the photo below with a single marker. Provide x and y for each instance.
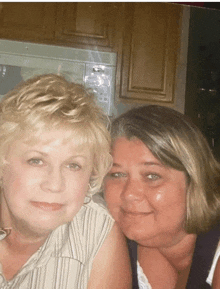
(54, 154)
(163, 191)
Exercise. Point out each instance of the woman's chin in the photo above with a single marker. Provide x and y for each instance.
(39, 228)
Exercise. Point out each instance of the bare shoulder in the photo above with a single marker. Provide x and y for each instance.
(111, 266)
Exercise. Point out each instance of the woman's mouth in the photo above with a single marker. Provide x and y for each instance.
(47, 206)
(135, 213)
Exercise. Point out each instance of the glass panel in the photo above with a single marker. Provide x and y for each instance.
(11, 75)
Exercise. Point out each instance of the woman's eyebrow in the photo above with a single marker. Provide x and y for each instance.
(152, 164)
(116, 165)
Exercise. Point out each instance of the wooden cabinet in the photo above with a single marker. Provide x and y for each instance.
(144, 35)
(92, 24)
(88, 25)
(147, 67)
(27, 21)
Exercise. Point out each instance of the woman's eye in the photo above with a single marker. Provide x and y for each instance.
(74, 166)
(153, 177)
(35, 162)
(116, 175)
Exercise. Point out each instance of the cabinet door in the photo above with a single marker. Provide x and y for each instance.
(29, 21)
(87, 24)
(149, 51)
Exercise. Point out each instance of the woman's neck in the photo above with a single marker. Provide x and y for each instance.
(21, 235)
(180, 254)
(17, 242)
(15, 251)
(172, 263)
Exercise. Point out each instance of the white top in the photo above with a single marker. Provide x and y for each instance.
(212, 270)
(65, 259)
(144, 284)
(142, 279)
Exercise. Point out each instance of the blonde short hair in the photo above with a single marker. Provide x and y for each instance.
(178, 143)
(50, 101)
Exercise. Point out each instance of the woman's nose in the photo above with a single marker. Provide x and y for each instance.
(133, 190)
(53, 181)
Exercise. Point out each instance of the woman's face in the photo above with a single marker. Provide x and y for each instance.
(146, 198)
(44, 184)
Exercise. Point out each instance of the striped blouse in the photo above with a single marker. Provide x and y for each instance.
(65, 259)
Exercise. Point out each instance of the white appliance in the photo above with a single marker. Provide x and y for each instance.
(96, 70)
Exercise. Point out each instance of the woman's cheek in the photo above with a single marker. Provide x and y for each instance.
(111, 195)
(159, 197)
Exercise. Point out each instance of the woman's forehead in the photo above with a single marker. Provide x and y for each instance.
(55, 136)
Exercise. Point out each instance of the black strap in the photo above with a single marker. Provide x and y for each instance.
(204, 252)
(132, 246)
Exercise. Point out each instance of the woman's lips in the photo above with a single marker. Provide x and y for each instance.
(47, 206)
(135, 213)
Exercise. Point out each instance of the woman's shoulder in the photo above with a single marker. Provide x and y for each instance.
(205, 257)
(93, 217)
(96, 206)
(81, 238)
